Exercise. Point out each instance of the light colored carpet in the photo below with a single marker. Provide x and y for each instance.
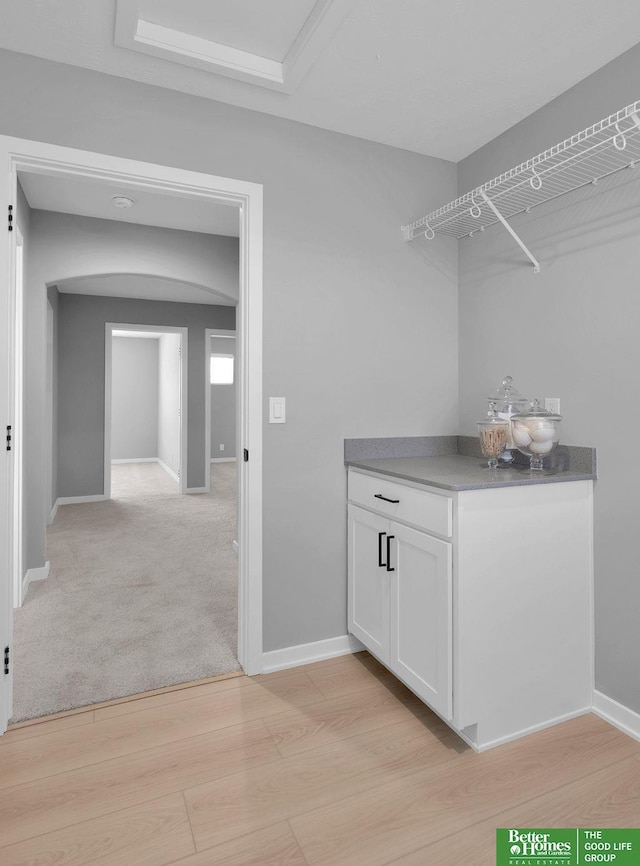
(142, 594)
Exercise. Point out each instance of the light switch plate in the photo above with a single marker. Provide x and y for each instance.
(277, 410)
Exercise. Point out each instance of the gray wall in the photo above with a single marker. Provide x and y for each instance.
(569, 332)
(360, 328)
(223, 405)
(134, 397)
(82, 321)
(169, 401)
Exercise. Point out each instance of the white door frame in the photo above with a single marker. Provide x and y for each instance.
(214, 332)
(17, 436)
(183, 333)
(43, 158)
(49, 439)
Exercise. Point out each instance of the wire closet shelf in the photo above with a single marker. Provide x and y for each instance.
(600, 150)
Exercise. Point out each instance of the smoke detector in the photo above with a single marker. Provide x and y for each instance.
(122, 201)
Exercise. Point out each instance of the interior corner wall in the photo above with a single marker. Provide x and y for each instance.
(81, 355)
(134, 398)
(360, 328)
(223, 404)
(570, 331)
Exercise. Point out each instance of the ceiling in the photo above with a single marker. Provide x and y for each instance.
(93, 198)
(439, 77)
(143, 287)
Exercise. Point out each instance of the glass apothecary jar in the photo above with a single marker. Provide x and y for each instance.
(493, 433)
(536, 433)
(508, 401)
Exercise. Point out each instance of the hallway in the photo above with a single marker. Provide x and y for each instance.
(142, 594)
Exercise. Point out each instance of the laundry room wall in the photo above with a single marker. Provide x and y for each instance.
(360, 328)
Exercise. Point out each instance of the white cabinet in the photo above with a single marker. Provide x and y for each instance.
(400, 602)
(480, 601)
(369, 581)
(420, 621)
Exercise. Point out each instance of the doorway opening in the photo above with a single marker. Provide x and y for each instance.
(37, 157)
(145, 405)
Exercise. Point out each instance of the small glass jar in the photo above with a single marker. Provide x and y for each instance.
(536, 433)
(493, 433)
(508, 401)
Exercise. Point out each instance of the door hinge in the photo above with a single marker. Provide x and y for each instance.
(6, 660)
(10, 218)
(246, 455)
(8, 437)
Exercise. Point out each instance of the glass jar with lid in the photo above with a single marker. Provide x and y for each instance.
(493, 432)
(536, 433)
(508, 400)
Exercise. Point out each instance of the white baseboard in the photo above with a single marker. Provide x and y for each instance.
(34, 574)
(616, 714)
(77, 500)
(500, 741)
(197, 490)
(223, 459)
(169, 472)
(293, 656)
(234, 544)
(54, 511)
(135, 460)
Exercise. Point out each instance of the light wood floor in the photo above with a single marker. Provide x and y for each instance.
(334, 763)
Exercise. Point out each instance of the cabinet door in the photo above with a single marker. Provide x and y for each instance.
(368, 603)
(421, 620)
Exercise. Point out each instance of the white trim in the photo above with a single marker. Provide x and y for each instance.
(34, 574)
(49, 408)
(135, 33)
(117, 460)
(197, 490)
(183, 333)
(131, 176)
(234, 544)
(223, 459)
(208, 334)
(54, 511)
(79, 500)
(120, 460)
(293, 656)
(169, 472)
(621, 717)
(525, 731)
(17, 392)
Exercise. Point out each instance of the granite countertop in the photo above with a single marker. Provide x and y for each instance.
(450, 463)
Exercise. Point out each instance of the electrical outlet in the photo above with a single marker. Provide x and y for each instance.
(222, 447)
(552, 404)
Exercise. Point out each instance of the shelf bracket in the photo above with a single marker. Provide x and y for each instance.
(525, 250)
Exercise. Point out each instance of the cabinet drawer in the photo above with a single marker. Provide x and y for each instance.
(427, 510)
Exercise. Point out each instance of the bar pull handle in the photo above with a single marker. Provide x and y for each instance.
(386, 499)
(381, 564)
(389, 540)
